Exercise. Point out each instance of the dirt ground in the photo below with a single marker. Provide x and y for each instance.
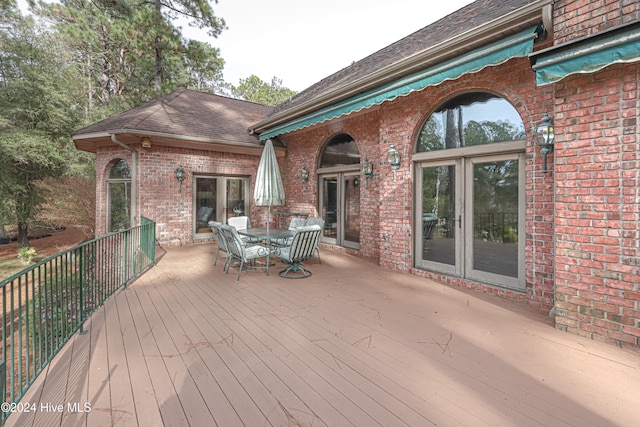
(50, 245)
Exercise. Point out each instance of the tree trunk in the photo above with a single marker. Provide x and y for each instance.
(23, 235)
(157, 81)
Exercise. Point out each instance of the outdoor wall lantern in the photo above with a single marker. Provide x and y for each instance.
(304, 177)
(367, 171)
(393, 158)
(545, 136)
(180, 175)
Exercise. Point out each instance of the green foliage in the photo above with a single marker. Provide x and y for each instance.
(255, 90)
(26, 254)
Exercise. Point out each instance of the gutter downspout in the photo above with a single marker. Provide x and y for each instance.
(134, 179)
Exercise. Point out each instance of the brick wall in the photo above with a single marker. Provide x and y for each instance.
(575, 19)
(387, 206)
(159, 195)
(598, 204)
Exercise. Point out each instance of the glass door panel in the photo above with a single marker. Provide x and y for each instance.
(235, 197)
(340, 209)
(439, 219)
(329, 208)
(205, 203)
(217, 199)
(495, 246)
(351, 210)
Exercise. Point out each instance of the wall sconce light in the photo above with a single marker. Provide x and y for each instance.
(304, 176)
(146, 142)
(393, 158)
(180, 175)
(545, 136)
(367, 171)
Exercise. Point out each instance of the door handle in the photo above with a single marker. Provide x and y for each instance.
(459, 221)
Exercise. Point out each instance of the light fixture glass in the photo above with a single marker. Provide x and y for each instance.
(180, 175)
(304, 174)
(393, 158)
(367, 171)
(545, 137)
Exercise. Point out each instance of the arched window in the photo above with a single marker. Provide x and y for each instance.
(476, 118)
(119, 197)
(341, 150)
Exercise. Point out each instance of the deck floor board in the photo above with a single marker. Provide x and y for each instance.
(354, 344)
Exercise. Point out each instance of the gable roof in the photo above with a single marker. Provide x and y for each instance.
(477, 24)
(184, 117)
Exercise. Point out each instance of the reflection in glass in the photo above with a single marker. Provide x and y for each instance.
(471, 119)
(340, 151)
(329, 207)
(120, 205)
(495, 217)
(438, 215)
(205, 203)
(352, 208)
(235, 197)
(119, 197)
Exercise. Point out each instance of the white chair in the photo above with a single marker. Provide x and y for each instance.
(239, 222)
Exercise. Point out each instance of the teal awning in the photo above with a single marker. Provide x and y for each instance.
(518, 45)
(588, 57)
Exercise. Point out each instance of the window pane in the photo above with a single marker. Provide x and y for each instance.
(352, 208)
(438, 215)
(120, 171)
(120, 204)
(205, 203)
(340, 151)
(471, 119)
(495, 217)
(235, 197)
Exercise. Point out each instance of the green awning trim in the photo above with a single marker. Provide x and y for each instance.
(588, 57)
(518, 45)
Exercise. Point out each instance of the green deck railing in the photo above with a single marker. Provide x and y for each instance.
(44, 305)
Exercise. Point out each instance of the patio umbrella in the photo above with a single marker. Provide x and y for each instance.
(269, 190)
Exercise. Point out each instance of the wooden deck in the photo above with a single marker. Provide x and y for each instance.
(187, 345)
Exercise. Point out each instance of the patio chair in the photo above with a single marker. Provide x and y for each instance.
(293, 225)
(302, 247)
(245, 254)
(220, 240)
(320, 222)
(241, 223)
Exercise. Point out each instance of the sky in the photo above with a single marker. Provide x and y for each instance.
(302, 42)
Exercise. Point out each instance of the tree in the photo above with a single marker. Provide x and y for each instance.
(25, 158)
(255, 90)
(37, 115)
(204, 66)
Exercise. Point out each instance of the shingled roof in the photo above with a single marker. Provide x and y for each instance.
(397, 57)
(184, 115)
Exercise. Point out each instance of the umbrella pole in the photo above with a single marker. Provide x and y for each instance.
(268, 218)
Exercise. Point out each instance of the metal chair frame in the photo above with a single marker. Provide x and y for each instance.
(302, 247)
(220, 240)
(244, 254)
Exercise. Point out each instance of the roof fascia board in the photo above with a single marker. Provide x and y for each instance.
(470, 39)
(204, 143)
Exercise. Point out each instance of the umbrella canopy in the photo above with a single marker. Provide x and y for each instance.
(269, 190)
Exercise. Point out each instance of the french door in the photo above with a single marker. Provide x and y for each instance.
(340, 208)
(470, 220)
(216, 198)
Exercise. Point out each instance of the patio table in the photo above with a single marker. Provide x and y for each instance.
(267, 235)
